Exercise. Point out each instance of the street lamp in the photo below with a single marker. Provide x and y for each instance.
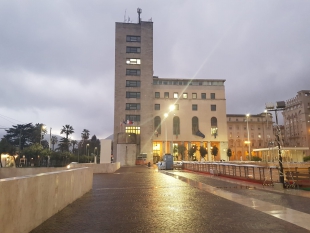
(42, 128)
(248, 142)
(87, 151)
(166, 144)
(280, 106)
(95, 152)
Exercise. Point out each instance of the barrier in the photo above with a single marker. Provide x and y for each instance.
(27, 201)
(98, 167)
(253, 172)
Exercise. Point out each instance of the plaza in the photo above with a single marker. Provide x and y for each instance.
(142, 199)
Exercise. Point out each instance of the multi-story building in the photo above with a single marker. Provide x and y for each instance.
(248, 132)
(145, 124)
(297, 121)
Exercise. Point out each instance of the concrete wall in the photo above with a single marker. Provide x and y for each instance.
(126, 154)
(98, 168)
(28, 201)
(105, 151)
(15, 172)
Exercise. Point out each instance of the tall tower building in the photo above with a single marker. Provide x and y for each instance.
(133, 91)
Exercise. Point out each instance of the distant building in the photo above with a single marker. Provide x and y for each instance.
(255, 129)
(142, 131)
(297, 121)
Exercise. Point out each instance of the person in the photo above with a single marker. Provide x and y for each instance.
(48, 160)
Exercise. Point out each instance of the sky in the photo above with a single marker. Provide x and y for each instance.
(57, 56)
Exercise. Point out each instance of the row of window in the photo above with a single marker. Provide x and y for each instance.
(194, 107)
(188, 83)
(176, 125)
(245, 135)
(251, 127)
(184, 95)
(130, 38)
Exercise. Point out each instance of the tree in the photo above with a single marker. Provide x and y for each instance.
(20, 135)
(181, 150)
(67, 129)
(73, 143)
(192, 151)
(203, 151)
(54, 141)
(85, 134)
(64, 144)
(214, 151)
(229, 153)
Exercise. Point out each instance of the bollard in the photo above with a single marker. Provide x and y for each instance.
(149, 164)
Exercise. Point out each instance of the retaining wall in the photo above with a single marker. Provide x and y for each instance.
(27, 201)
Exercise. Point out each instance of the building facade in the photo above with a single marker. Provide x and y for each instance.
(155, 116)
(246, 133)
(297, 121)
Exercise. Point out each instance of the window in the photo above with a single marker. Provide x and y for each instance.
(157, 107)
(133, 72)
(175, 95)
(194, 107)
(132, 83)
(166, 95)
(132, 94)
(133, 38)
(176, 125)
(203, 96)
(133, 118)
(184, 95)
(213, 107)
(132, 106)
(212, 96)
(133, 61)
(157, 95)
(195, 125)
(157, 125)
(213, 122)
(133, 49)
(176, 107)
(194, 95)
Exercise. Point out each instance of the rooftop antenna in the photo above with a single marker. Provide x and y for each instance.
(125, 16)
(139, 10)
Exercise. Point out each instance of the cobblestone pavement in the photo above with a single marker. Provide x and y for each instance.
(140, 199)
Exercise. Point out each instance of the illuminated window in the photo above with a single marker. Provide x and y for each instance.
(132, 129)
(175, 95)
(184, 95)
(194, 95)
(133, 61)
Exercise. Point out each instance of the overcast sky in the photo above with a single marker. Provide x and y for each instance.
(57, 56)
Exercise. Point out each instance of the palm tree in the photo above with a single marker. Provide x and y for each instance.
(67, 129)
(54, 141)
(85, 134)
(73, 143)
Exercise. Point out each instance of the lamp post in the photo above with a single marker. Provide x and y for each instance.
(249, 142)
(166, 144)
(280, 106)
(43, 127)
(87, 151)
(95, 152)
(49, 145)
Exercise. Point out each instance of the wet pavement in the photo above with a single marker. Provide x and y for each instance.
(141, 199)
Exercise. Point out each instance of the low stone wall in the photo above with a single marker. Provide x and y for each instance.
(98, 168)
(7, 172)
(27, 201)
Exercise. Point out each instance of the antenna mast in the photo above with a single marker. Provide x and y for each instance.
(139, 10)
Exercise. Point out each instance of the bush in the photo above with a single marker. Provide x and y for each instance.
(306, 158)
(256, 158)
